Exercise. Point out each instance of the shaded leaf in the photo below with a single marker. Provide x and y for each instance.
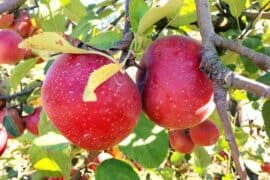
(266, 116)
(105, 40)
(236, 6)
(201, 160)
(112, 169)
(11, 126)
(147, 144)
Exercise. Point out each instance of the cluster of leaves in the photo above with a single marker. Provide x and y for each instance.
(146, 151)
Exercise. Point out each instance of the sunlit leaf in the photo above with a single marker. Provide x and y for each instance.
(154, 14)
(20, 71)
(236, 6)
(266, 116)
(137, 8)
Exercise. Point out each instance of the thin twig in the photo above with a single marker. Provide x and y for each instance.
(250, 25)
(126, 33)
(220, 74)
(260, 60)
(9, 5)
(222, 107)
(25, 91)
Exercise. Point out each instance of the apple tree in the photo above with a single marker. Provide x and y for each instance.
(134, 89)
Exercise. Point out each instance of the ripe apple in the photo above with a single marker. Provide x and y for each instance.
(175, 93)
(3, 139)
(32, 120)
(6, 20)
(13, 113)
(180, 141)
(9, 51)
(265, 167)
(95, 125)
(204, 134)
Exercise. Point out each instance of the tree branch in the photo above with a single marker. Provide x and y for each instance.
(9, 5)
(25, 91)
(220, 75)
(259, 59)
(222, 107)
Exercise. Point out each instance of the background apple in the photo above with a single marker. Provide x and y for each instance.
(204, 134)
(180, 141)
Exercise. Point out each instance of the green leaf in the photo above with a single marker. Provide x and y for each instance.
(241, 136)
(155, 14)
(45, 125)
(50, 154)
(254, 43)
(105, 40)
(236, 6)
(11, 126)
(20, 71)
(147, 145)
(74, 10)
(113, 169)
(266, 116)
(137, 8)
(265, 79)
(81, 30)
(201, 160)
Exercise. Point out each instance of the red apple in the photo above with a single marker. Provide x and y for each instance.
(266, 167)
(32, 121)
(180, 141)
(204, 134)
(3, 139)
(175, 93)
(9, 51)
(13, 113)
(95, 125)
(6, 20)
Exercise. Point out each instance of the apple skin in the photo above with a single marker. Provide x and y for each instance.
(265, 167)
(32, 120)
(9, 51)
(3, 139)
(180, 141)
(204, 134)
(96, 125)
(6, 20)
(13, 113)
(175, 93)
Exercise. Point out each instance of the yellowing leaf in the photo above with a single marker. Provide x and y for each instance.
(154, 14)
(47, 164)
(97, 77)
(54, 42)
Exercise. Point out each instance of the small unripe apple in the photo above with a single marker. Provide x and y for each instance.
(204, 134)
(3, 139)
(10, 53)
(95, 125)
(23, 25)
(265, 167)
(13, 113)
(32, 120)
(175, 93)
(180, 141)
(6, 20)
